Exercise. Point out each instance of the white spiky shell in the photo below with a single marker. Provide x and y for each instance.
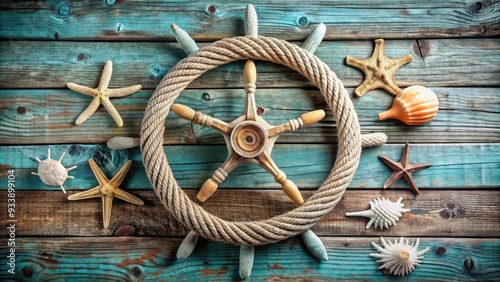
(399, 258)
(382, 213)
(52, 172)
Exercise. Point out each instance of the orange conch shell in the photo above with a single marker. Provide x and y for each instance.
(414, 105)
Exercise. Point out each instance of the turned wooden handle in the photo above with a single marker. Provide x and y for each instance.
(208, 188)
(250, 72)
(292, 191)
(184, 112)
(312, 117)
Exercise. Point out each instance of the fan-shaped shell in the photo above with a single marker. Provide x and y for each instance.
(414, 105)
(399, 258)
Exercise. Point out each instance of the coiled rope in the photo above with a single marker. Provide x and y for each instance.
(279, 227)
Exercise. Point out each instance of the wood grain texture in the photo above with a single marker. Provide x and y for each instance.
(46, 44)
(48, 116)
(433, 213)
(133, 20)
(47, 64)
(153, 259)
(456, 166)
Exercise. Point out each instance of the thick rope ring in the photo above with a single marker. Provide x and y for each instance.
(279, 227)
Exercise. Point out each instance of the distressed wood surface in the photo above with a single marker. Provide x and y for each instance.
(291, 20)
(41, 116)
(153, 259)
(466, 213)
(47, 64)
(45, 44)
(456, 166)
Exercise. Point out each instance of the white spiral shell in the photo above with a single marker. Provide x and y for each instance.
(399, 258)
(382, 213)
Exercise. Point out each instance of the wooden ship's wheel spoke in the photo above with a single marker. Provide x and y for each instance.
(250, 139)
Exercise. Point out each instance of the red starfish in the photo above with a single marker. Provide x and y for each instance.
(403, 168)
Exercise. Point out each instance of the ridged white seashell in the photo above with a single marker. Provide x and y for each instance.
(382, 213)
(399, 258)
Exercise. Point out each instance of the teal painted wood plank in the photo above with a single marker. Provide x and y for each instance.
(48, 116)
(449, 213)
(153, 259)
(143, 20)
(46, 64)
(454, 165)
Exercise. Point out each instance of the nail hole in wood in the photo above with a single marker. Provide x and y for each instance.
(477, 7)
(136, 272)
(21, 110)
(28, 272)
(81, 57)
(441, 250)
(211, 9)
(468, 264)
(206, 96)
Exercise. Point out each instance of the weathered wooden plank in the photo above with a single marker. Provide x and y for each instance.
(141, 20)
(153, 259)
(433, 213)
(47, 116)
(454, 166)
(46, 64)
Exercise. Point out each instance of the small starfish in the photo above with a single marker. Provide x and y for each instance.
(102, 94)
(379, 70)
(107, 190)
(403, 169)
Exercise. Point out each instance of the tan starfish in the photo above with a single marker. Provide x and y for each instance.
(403, 168)
(102, 94)
(379, 70)
(107, 190)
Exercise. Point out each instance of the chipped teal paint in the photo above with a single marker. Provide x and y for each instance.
(464, 110)
(392, 19)
(101, 258)
(133, 62)
(453, 165)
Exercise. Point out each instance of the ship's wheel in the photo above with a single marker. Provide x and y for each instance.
(250, 138)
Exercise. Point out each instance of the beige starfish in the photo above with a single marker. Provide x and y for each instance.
(107, 190)
(379, 70)
(102, 94)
